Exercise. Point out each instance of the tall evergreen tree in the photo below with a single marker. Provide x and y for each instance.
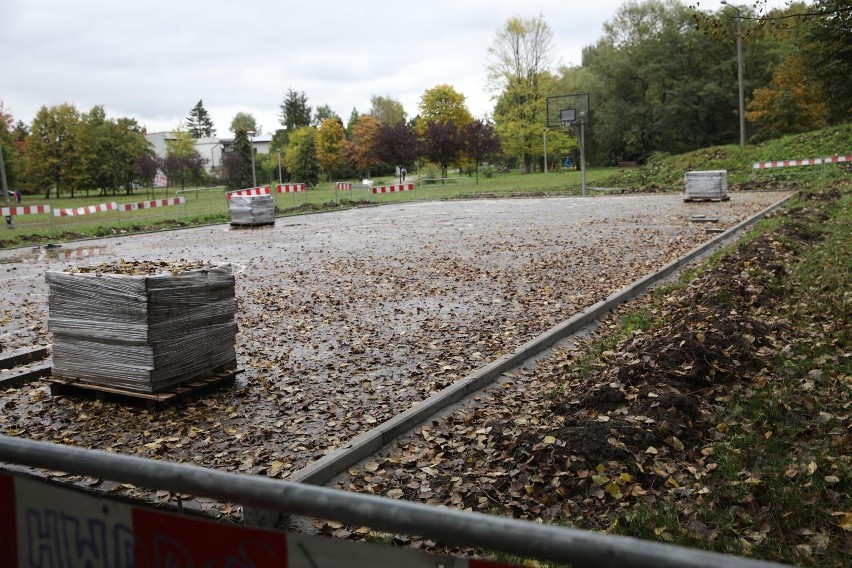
(295, 111)
(198, 123)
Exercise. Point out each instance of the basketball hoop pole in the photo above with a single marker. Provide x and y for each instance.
(545, 150)
(566, 124)
(583, 156)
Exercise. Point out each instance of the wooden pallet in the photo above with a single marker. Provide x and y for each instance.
(60, 386)
(706, 199)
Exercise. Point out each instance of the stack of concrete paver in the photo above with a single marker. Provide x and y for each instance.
(142, 327)
(252, 210)
(704, 185)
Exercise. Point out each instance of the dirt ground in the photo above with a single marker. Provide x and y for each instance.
(349, 318)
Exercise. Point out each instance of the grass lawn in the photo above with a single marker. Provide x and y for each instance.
(209, 205)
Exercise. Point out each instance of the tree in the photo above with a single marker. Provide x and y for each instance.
(198, 123)
(353, 120)
(323, 113)
(789, 105)
(829, 49)
(331, 141)
(52, 148)
(295, 111)
(145, 168)
(520, 57)
(442, 103)
(388, 110)
(301, 155)
(442, 144)
(397, 145)
(480, 143)
(361, 149)
(182, 159)
(11, 156)
(245, 123)
(236, 162)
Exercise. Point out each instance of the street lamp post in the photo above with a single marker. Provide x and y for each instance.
(740, 71)
(251, 142)
(279, 165)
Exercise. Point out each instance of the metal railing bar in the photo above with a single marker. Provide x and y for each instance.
(451, 527)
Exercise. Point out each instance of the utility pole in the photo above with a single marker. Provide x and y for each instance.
(740, 65)
(5, 187)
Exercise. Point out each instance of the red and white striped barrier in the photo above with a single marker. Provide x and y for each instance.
(343, 186)
(151, 204)
(88, 210)
(24, 210)
(802, 162)
(263, 190)
(46, 525)
(290, 188)
(394, 188)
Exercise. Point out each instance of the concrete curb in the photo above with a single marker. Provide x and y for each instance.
(358, 449)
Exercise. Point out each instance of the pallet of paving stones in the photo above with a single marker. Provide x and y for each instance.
(251, 210)
(141, 326)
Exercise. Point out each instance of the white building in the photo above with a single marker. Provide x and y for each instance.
(210, 149)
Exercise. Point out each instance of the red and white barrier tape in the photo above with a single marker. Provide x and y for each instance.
(88, 210)
(802, 162)
(290, 188)
(24, 210)
(251, 192)
(394, 188)
(343, 186)
(152, 204)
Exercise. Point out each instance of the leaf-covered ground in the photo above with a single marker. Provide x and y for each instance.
(648, 427)
(348, 319)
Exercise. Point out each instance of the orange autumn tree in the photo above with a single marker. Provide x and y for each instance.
(792, 103)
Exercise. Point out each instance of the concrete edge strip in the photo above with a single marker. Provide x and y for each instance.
(361, 447)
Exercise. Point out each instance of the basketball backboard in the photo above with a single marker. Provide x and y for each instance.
(563, 110)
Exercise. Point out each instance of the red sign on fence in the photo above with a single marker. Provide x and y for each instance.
(44, 525)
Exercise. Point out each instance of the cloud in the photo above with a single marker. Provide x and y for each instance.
(154, 60)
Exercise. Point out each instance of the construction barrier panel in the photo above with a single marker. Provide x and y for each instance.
(45, 525)
(24, 210)
(290, 188)
(88, 210)
(151, 204)
(801, 162)
(262, 190)
(393, 188)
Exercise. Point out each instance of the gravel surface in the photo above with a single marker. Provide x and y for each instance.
(349, 318)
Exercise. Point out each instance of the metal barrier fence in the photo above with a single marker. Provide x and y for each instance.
(450, 527)
(437, 183)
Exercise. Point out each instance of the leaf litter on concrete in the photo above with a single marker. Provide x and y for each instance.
(629, 427)
(336, 341)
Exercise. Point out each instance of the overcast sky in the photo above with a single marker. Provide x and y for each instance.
(154, 59)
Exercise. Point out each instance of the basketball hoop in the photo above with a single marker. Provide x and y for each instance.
(567, 111)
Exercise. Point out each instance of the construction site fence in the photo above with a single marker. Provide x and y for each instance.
(449, 527)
